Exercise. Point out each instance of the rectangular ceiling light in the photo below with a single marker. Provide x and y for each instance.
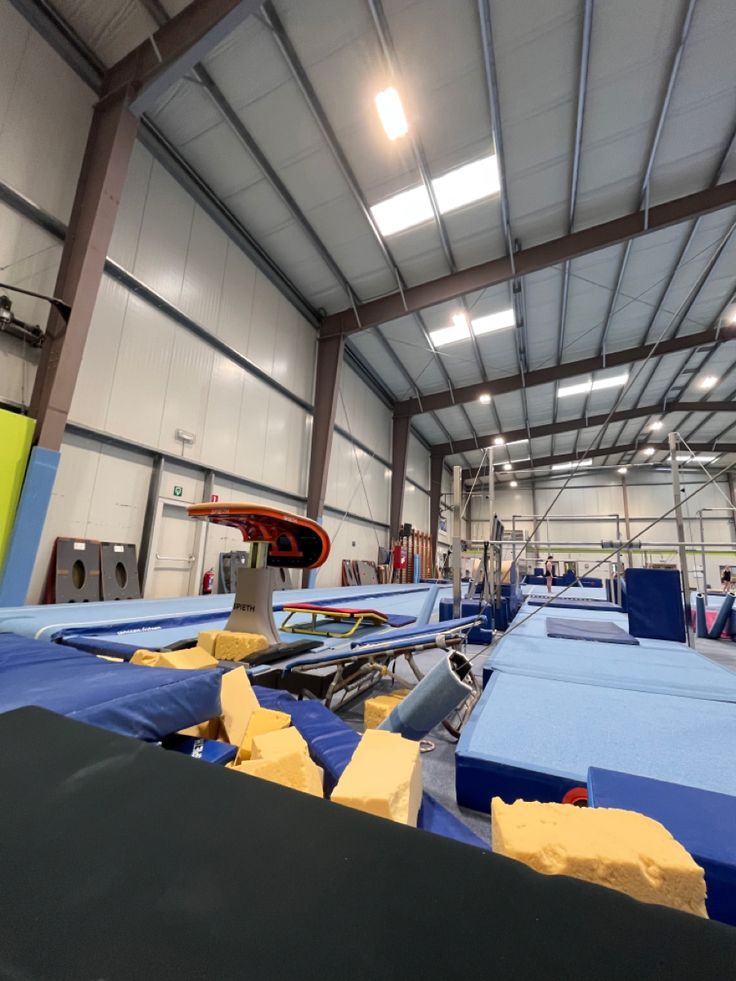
(684, 458)
(494, 321)
(572, 466)
(453, 190)
(448, 335)
(403, 210)
(580, 389)
(613, 381)
(516, 442)
(467, 184)
(391, 113)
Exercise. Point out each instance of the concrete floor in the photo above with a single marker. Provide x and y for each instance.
(439, 765)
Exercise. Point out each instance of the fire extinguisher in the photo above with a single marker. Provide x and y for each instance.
(207, 581)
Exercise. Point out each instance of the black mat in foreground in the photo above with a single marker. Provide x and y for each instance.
(121, 861)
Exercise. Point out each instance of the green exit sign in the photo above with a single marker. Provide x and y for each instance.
(178, 491)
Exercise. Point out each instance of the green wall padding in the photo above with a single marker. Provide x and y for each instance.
(16, 433)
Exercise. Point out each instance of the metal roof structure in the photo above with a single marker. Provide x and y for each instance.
(593, 111)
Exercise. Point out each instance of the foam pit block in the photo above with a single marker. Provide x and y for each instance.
(384, 777)
(279, 743)
(238, 702)
(233, 646)
(261, 721)
(188, 659)
(377, 709)
(292, 769)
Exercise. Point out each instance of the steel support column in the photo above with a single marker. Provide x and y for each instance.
(682, 542)
(327, 385)
(436, 468)
(399, 452)
(627, 521)
(101, 181)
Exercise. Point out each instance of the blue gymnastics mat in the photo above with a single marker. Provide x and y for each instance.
(663, 668)
(147, 703)
(535, 739)
(598, 631)
(563, 603)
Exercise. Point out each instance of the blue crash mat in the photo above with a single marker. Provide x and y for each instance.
(602, 631)
(703, 822)
(563, 603)
(147, 703)
(535, 739)
(331, 745)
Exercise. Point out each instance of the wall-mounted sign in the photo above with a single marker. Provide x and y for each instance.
(178, 491)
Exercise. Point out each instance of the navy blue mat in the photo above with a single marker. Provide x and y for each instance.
(562, 603)
(602, 631)
(147, 703)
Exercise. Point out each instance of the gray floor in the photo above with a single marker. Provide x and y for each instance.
(438, 766)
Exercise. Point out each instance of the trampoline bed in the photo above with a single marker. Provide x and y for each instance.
(146, 703)
(535, 738)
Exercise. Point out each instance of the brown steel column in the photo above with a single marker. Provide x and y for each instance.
(435, 495)
(104, 168)
(732, 495)
(399, 451)
(327, 385)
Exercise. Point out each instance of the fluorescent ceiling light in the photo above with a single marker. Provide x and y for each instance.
(613, 381)
(656, 425)
(710, 381)
(507, 466)
(453, 190)
(498, 441)
(391, 113)
(484, 399)
(403, 210)
(684, 458)
(513, 483)
(572, 466)
(648, 450)
(580, 389)
(623, 469)
(449, 335)
(494, 321)
(516, 442)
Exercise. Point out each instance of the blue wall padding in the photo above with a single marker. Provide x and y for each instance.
(331, 745)
(703, 823)
(437, 695)
(655, 609)
(724, 615)
(701, 627)
(600, 630)
(482, 634)
(29, 520)
(147, 703)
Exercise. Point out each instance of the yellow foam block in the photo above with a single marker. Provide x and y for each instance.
(206, 639)
(238, 702)
(148, 658)
(232, 646)
(384, 777)
(377, 709)
(280, 743)
(261, 721)
(623, 850)
(205, 730)
(293, 770)
(191, 658)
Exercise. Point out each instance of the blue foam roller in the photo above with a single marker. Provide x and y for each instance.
(701, 627)
(433, 699)
(724, 615)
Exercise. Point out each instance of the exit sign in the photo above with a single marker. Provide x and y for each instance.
(178, 491)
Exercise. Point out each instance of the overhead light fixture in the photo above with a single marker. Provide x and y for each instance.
(391, 113)
(498, 441)
(513, 483)
(573, 465)
(582, 388)
(709, 381)
(623, 470)
(459, 331)
(656, 425)
(484, 399)
(517, 442)
(507, 466)
(452, 190)
(685, 458)
(649, 451)
(494, 321)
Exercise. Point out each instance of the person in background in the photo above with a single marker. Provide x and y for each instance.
(549, 571)
(726, 579)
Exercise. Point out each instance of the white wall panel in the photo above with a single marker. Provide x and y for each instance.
(204, 271)
(127, 230)
(222, 420)
(252, 429)
(416, 507)
(187, 391)
(295, 352)
(165, 230)
(236, 305)
(417, 462)
(350, 540)
(346, 491)
(264, 323)
(362, 413)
